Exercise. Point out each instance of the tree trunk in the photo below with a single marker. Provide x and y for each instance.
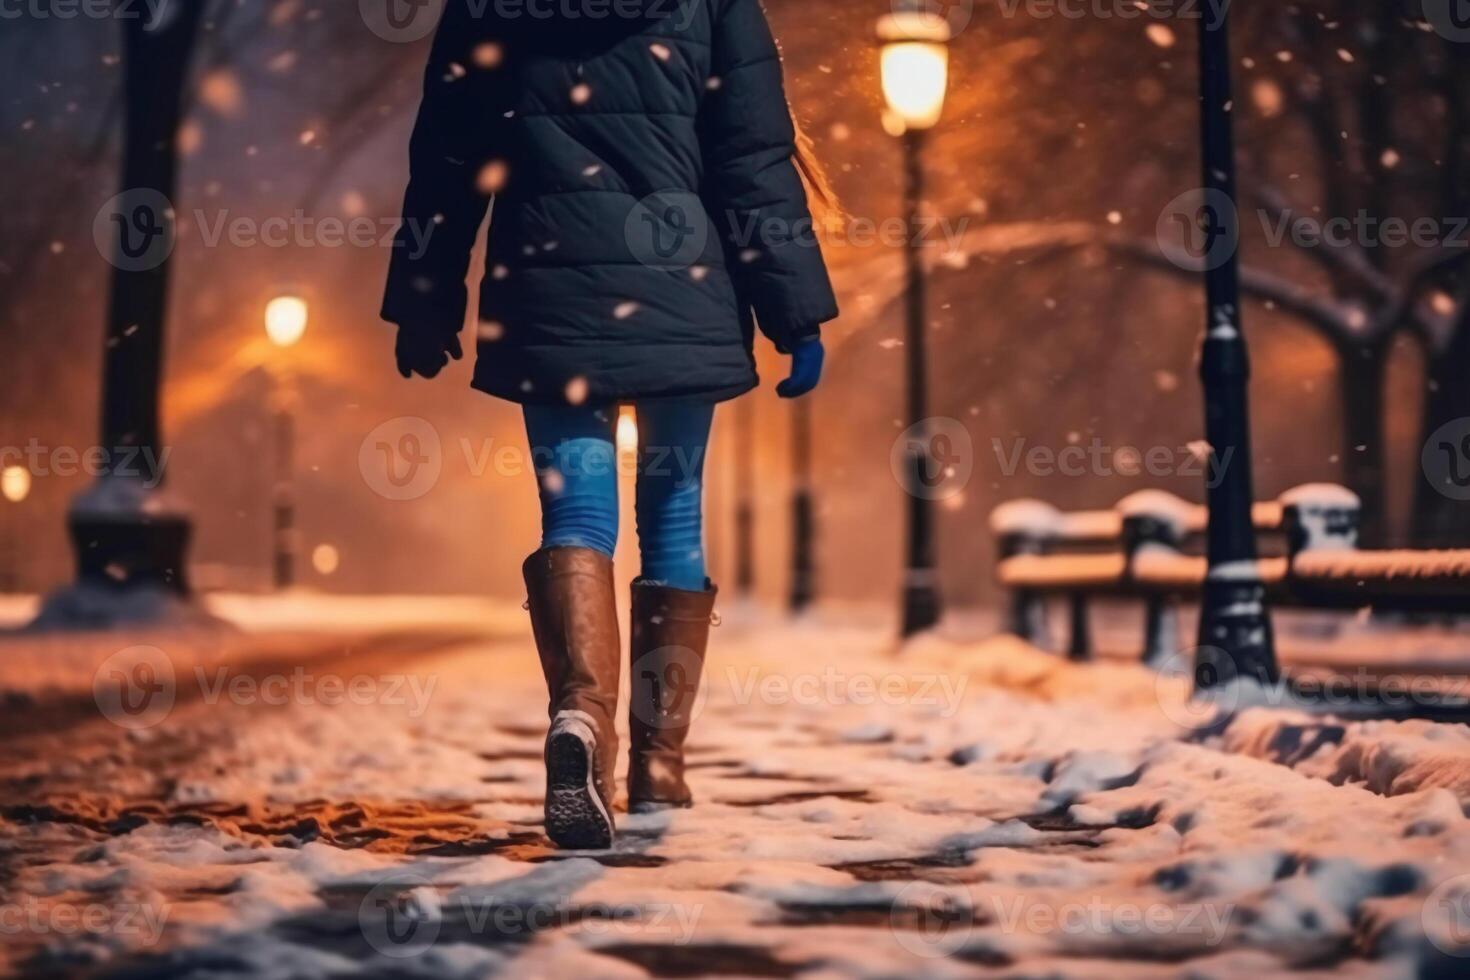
(1361, 387)
(1441, 521)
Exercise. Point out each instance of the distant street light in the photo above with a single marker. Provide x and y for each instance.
(744, 457)
(915, 66)
(286, 318)
(915, 76)
(15, 486)
(15, 483)
(803, 509)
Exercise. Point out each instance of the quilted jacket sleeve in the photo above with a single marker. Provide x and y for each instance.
(447, 196)
(749, 143)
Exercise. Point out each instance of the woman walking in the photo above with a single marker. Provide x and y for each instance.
(648, 212)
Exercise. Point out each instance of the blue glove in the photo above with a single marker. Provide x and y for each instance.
(806, 369)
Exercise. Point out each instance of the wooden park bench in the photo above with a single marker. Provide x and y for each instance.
(1149, 548)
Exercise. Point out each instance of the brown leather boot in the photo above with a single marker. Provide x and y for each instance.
(574, 616)
(670, 635)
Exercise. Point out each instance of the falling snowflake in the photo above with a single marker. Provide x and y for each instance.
(1266, 96)
(492, 177)
(581, 94)
(624, 310)
(488, 55)
(1161, 35)
(1115, 217)
(661, 51)
(592, 171)
(576, 391)
(489, 331)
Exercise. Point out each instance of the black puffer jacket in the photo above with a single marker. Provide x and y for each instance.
(645, 198)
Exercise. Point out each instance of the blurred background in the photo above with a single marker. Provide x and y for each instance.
(1063, 142)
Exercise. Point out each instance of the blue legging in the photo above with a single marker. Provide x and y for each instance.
(576, 468)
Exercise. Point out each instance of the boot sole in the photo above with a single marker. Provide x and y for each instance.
(575, 816)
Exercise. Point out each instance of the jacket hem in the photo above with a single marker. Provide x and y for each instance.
(710, 396)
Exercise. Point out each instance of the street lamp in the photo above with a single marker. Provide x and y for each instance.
(1234, 627)
(744, 499)
(285, 320)
(15, 486)
(15, 483)
(915, 74)
(803, 511)
(285, 324)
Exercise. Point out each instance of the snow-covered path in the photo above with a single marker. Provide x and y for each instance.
(946, 810)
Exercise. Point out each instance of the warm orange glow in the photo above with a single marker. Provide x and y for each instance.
(915, 76)
(627, 431)
(285, 320)
(325, 559)
(15, 483)
(915, 67)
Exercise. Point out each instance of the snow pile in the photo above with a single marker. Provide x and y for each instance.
(864, 810)
(1389, 758)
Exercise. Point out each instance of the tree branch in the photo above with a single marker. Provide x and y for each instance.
(1342, 258)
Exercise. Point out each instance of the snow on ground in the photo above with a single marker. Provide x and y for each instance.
(945, 809)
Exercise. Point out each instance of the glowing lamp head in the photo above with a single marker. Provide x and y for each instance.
(15, 483)
(915, 66)
(285, 320)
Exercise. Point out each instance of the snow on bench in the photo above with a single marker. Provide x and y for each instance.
(1044, 552)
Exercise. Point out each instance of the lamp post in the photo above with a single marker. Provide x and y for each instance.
(1235, 627)
(803, 513)
(744, 499)
(285, 323)
(15, 487)
(915, 75)
(128, 537)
